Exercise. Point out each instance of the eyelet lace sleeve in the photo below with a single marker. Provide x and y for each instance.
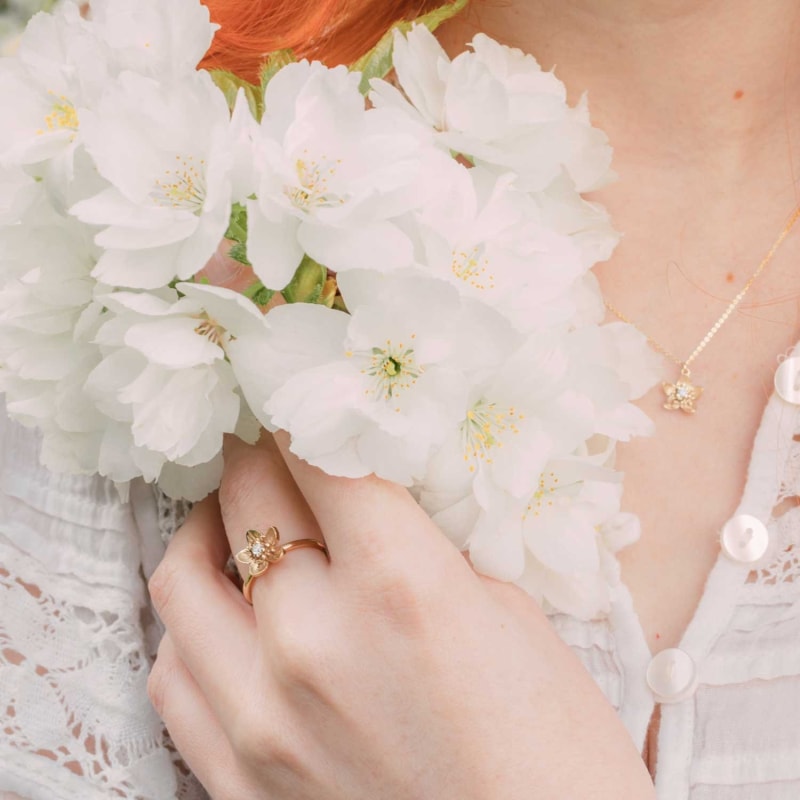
(77, 638)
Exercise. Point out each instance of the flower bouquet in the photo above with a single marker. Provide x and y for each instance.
(421, 247)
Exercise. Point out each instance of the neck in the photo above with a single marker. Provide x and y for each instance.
(680, 81)
(701, 103)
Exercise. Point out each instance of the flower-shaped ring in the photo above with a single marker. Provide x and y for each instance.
(264, 549)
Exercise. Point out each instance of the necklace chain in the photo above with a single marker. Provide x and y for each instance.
(686, 393)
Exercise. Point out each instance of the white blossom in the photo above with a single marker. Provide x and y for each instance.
(517, 485)
(557, 541)
(376, 391)
(488, 239)
(564, 210)
(497, 106)
(165, 378)
(569, 561)
(48, 313)
(514, 421)
(18, 192)
(160, 39)
(60, 67)
(332, 177)
(615, 366)
(167, 153)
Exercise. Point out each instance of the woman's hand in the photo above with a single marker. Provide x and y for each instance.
(392, 672)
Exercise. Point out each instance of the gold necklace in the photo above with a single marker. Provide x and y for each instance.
(683, 394)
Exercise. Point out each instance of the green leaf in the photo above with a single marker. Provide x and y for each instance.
(433, 19)
(259, 293)
(239, 253)
(377, 63)
(230, 85)
(237, 227)
(273, 65)
(307, 284)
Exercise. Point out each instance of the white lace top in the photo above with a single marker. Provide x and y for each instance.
(77, 636)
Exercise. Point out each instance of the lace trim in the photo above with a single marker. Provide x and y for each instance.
(171, 514)
(73, 669)
(97, 665)
(783, 567)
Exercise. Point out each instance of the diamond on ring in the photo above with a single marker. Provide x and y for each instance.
(262, 550)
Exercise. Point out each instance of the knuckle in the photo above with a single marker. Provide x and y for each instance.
(227, 786)
(158, 685)
(297, 658)
(404, 596)
(163, 584)
(248, 740)
(309, 648)
(267, 747)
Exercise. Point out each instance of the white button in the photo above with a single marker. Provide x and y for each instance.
(672, 676)
(787, 380)
(744, 539)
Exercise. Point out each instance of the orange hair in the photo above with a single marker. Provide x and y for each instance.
(334, 31)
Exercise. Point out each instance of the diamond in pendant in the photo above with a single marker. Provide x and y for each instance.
(682, 396)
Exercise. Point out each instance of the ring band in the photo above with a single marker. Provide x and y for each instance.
(265, 549)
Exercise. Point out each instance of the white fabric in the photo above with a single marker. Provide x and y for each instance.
(738, 736)
(76, 639)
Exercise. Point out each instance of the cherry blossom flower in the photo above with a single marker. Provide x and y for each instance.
(557, 541)
(60, 67)
(517, 486)
(165, 40)
(570, 546)
(376, 391)
(165, 377)
(168, 202)
(332, 177)
(497, 106)
(48, 311)
(488, 239)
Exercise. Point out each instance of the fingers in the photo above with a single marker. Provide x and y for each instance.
(365, 515)
(221, 270)
(208, 621)
(191, 723)
(258, 492)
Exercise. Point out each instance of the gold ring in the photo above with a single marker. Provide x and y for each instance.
(264, 549)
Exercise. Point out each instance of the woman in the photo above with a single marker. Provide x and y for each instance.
(393, 671)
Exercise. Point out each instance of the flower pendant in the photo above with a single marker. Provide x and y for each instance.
(682, 395)
(262, 550)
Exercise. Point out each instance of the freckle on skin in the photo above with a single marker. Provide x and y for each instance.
(738, 94)
(730, 277)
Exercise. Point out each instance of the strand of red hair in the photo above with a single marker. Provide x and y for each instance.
(333, 31)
